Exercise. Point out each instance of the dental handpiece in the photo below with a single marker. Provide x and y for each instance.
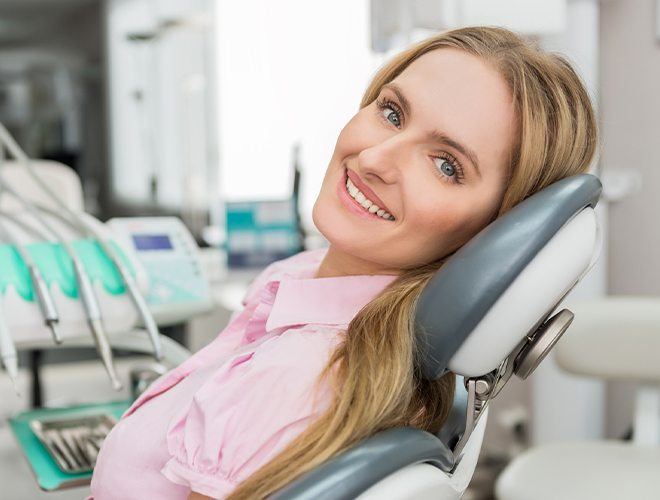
(8, 352)
(95, 323)
(87, 296)
(92, 313)
(135, 295)
(42, 292)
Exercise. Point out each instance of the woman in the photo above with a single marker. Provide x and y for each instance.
(450, 134)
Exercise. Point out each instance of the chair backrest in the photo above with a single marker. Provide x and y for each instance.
(469, 316)
(62, 179)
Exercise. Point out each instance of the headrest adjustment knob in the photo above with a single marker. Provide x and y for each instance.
(541, 342)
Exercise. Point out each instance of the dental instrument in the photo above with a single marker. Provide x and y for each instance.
(8, 351)
(73, 443)
(131, 286)
(87, 296)
(42, 293)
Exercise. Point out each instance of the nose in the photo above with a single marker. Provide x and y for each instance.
(382, 160)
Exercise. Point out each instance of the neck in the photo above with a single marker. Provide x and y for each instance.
(337, 263)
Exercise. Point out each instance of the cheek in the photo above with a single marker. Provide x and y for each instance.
(449, 222)
(438, 220)
(452, 225)
(326, 214)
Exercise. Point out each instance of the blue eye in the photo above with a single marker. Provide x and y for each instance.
(396, 119)
(449, 168)
(386, 104)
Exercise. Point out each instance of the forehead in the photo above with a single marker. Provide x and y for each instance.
(463, 96)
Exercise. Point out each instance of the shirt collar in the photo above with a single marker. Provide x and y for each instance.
(330, 301)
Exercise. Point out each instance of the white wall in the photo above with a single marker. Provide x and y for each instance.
(630, 130)
(165, 133)
(288, 71)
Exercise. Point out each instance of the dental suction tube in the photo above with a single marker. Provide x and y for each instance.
(131, 286)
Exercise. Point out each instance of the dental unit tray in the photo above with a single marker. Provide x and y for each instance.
(53, 452)
(74, 443)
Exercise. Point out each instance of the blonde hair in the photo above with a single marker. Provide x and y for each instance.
(375, 372)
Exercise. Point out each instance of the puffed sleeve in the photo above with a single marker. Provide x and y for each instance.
(247, 411)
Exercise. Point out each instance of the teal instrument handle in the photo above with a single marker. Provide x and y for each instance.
(57, 267)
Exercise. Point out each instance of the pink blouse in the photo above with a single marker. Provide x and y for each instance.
(212, 421)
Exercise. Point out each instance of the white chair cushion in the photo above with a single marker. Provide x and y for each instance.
(615, 337)
(61, 179)
(605, 470)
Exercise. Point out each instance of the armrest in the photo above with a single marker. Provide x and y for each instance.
(355, 470)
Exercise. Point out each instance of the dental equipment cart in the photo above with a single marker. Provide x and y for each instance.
(67, 278)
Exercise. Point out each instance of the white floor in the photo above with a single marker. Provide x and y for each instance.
(16, 479)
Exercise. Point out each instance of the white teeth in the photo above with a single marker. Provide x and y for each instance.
(366, 203)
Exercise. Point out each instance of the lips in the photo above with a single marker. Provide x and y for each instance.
(366, 190)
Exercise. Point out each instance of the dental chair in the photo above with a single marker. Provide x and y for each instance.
(485, 315)
(613, 338)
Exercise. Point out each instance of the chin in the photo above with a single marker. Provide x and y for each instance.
(328, 222)
(344, 237)
(334, 227)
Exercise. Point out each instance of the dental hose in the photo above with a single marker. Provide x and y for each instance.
(43, 297)
(85, 290)
(84, 226)
(8, 352)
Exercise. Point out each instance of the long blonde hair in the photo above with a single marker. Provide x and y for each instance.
(374, 371)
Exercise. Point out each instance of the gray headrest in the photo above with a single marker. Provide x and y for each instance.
(469, 283)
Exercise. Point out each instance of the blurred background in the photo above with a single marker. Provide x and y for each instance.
(191, 108)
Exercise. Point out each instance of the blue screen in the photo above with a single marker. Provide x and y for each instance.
(152, 242)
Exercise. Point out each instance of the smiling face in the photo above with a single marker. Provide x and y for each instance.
(432, 151)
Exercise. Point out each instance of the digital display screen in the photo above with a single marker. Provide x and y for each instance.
(152, 242)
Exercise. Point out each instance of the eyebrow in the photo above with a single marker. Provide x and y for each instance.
(435, 135)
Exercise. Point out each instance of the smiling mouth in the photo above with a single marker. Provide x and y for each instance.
(364, 202)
